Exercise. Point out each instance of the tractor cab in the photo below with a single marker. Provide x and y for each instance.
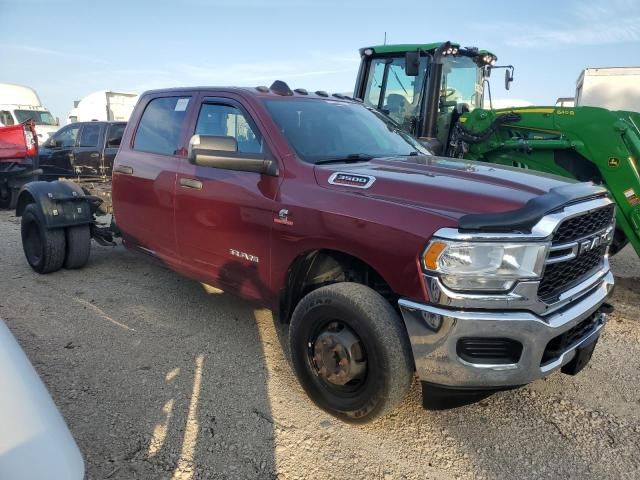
(424, 87)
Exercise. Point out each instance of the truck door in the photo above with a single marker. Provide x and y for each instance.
(56, 157)
(112, 143)
(88, 154)
(224, 217)
(144, 175)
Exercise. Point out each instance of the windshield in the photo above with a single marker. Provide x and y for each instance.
(321, 130)
(39, 116)
(461, 82)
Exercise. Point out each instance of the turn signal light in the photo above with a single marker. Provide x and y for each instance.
(430, 257)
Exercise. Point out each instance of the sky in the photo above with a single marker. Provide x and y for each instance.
(66, 49)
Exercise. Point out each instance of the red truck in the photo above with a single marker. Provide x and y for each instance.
(385, 261)
(18, 160)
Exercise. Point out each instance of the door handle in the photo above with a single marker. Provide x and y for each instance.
(191, 183)
(94, 155)
(124, 170)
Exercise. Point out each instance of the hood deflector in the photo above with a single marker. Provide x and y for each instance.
(523, 219)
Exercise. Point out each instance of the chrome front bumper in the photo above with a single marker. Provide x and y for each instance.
(434, 333)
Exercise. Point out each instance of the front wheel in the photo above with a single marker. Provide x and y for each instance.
(350, 351)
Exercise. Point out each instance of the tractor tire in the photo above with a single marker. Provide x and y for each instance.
(43, 247)
(78, 246)
(350, 351)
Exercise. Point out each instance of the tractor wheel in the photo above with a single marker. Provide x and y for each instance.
(43, 247)
(350, 351)
(78, 246)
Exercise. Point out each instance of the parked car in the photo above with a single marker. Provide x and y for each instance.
(82, 149)
(18, 160)
(35, 442)
(384, 260)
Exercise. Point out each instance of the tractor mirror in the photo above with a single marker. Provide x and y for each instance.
(412, 64)
(508, 78)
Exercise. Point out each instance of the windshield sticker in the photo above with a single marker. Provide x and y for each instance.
(350, 180)
(181, 104)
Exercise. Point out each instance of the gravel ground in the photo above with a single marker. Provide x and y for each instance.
(161, 377)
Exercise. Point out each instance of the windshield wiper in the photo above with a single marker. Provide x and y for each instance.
(352, 157)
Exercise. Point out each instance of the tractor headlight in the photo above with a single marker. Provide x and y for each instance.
(484, 266)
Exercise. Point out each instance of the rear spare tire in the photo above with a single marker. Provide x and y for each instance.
(43, 247)
(78, 246)
(350, 351)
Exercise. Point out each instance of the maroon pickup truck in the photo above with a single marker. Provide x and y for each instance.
(384, 260)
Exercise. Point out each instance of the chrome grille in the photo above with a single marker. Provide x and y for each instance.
(565, 273)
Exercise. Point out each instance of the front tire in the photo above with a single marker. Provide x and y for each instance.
(350, 351)
(43, 247)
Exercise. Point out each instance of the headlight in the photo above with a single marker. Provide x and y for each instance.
(484, 266)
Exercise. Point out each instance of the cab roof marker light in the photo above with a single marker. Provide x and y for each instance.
(321, 93)
(368, 52)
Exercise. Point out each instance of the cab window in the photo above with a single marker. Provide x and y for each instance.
(160, 127)
(90, 135)
(228, 121)
(5, 118)
(67, 137)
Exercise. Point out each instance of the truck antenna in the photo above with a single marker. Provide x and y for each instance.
(385, 38)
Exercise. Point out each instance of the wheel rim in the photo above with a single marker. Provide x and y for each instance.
(338, 358)
(33, 243)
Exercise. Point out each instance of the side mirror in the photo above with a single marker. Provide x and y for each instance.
(113, 142)
(508, 78)
(222, 152)
(412, 64)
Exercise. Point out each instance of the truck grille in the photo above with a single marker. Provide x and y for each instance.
(561, 276)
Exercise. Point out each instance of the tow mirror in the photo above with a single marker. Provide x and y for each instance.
(412, 64)
(222, 152)
(508, 78)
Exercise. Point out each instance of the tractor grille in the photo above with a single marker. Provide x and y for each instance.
(561, 276)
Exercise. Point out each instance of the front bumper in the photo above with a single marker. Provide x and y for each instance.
(434, 333)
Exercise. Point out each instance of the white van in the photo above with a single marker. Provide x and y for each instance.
(19, 103)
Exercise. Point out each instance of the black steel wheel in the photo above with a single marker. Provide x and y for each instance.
(350, 351)
(44, 248)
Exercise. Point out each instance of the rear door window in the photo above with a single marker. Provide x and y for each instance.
(90, 135)
(160, 127)
(114, 135)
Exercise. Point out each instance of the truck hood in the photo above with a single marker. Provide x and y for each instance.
(444, 186)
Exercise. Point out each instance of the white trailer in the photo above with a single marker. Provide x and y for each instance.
(616, 88)
(19, 103)
(103, 105)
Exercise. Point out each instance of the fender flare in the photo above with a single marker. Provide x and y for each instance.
(62, 203)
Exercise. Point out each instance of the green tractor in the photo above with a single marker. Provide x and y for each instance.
(436, 91)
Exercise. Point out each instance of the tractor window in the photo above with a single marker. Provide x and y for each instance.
(461, 83)
(389, 89)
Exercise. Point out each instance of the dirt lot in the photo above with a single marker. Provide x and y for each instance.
(160, 377)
